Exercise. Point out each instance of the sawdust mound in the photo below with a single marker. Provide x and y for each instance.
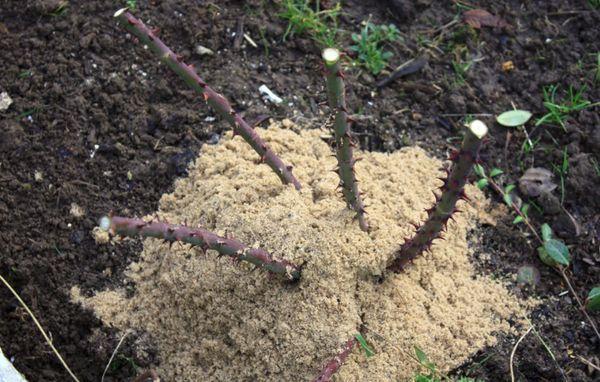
(215, 321)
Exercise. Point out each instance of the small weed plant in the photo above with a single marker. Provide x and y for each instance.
(433, 374)
(369, 45)
(305, 18)
(131, 4)
(558, 112)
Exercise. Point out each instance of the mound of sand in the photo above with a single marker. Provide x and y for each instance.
(213, 320)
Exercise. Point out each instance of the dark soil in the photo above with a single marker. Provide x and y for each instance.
(97, 123)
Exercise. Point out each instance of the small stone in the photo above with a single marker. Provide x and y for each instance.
(38, 176)
(507, 66)
(204, 51)
(5, 101)
(100, 236)
(77, 211)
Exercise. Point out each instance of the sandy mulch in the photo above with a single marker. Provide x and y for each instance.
(214, 320)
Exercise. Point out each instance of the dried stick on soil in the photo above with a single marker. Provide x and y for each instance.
(212, 98)
(343, 138)
(512, 354)
(336, 362)
(445, 206)
(198, 237)
(39, 326)
(112, 356)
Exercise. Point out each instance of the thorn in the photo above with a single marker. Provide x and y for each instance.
(191, 66)
(205, 96)
(462, 195)
(289, 168)
(132, 22)
(155, 30)
(453, 155)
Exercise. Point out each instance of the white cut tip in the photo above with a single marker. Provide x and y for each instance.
(478, 128)
(120, 12)
(331, 55)
(105, 223)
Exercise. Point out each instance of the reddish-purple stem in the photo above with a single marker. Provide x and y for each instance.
(203, 239)
(445, 205)
(336, 362)
(214, 99)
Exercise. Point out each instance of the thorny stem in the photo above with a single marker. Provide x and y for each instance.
(560, 269)
(445, 206)
(336, 362)
(198, 237)
(343, 138)
(212, 98)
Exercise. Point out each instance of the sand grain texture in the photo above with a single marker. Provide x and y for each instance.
(213, 320)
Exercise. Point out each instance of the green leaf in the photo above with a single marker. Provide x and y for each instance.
(508, 189)
(496, 172)
(558, 251)
(507, 199)
(525, 209)
(518, 219)
(546, 232)
(513, 118)
(424, 378)
(479, 170)
(421, 356)
(364, 345)
(528, 274)
(593, 299)
(545, 258)
(482, 183)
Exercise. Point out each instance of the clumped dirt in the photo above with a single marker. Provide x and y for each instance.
(215, 321)
(80, 87)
